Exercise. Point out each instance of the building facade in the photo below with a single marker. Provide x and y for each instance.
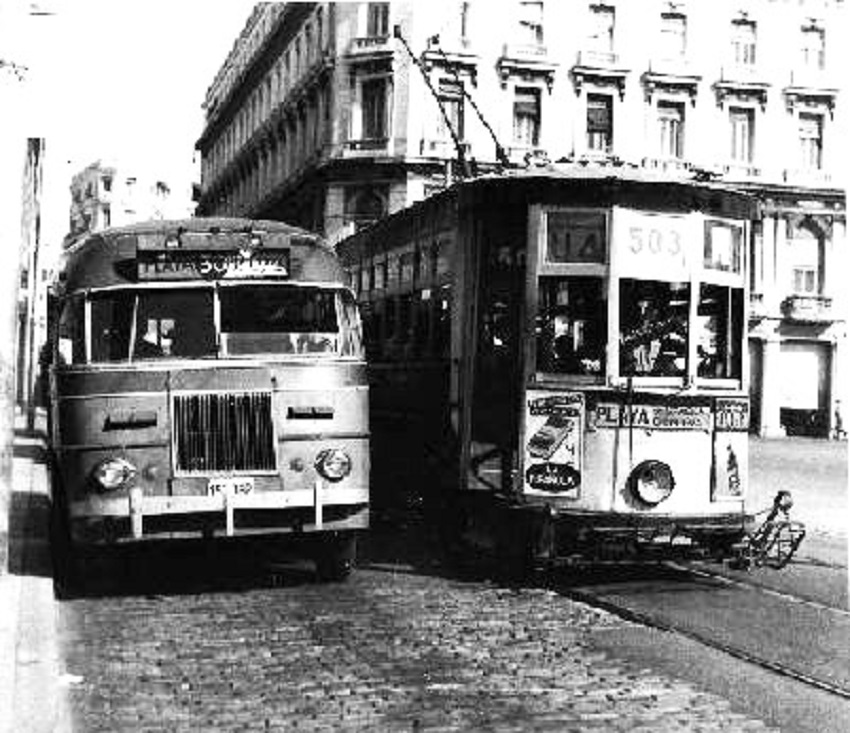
(106, 195)
(324, 116)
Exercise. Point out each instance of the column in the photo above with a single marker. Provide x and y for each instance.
(771, 388)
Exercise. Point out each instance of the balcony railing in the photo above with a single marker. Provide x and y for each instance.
(739, 171)
(675, 66)
(667, 165)
(370, 46)
(597, 59)
(441, 148)
(808, 309)
(812, 79)
(807, 177)
(742, 73)
(366, 147)
(531, 51)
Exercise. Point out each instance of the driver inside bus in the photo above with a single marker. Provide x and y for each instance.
(155, 342)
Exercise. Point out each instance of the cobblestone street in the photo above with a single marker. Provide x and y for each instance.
(385, 651)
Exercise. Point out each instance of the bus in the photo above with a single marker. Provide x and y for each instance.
(207, 380)
(558, 364)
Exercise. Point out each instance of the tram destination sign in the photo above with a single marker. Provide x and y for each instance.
(214, 265)
(653, 417)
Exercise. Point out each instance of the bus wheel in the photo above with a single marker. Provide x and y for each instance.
(63, 555)
(335, 557)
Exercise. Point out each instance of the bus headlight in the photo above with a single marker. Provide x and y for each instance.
(333, 464)
(652, 482)
(114, 473)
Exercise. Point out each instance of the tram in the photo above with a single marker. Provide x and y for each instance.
(207, 380)
(558, 363)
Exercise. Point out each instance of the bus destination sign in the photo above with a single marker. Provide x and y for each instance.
(232, 265)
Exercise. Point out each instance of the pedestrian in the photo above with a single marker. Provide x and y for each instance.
(838, 431)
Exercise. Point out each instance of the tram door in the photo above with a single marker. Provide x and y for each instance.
(497, 371)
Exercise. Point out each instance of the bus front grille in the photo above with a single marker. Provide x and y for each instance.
(224, 432)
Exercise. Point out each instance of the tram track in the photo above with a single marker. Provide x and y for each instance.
(635, 608)
(761, 588)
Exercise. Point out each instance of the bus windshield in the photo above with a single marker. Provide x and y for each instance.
(160, 323)
(274, 319)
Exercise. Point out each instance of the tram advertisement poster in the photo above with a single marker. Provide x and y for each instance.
(732, 421)
(553, 447)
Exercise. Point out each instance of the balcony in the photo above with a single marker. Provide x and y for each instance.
(808, 309)
(739, 81)
(811, 87)
(668, 74)
(524, 59)
(527, 155)
(667, 165)
(808, 177)
(758, 307)
(452, 53)
(441, 148)
(366, 147)
(814, 80)
(370, 48)
(601, 68)
(740, 172)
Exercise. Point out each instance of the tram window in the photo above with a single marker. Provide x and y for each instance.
(571, 325)
(442, 321)
(278, 319)
(405, 319)
(422, 323)
(390, 318)
(71, 333)
(352, 329)
(719, 332)
(653, 328)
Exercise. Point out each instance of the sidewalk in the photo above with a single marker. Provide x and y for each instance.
(29, 659)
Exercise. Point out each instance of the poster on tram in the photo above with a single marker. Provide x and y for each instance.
(553, 446)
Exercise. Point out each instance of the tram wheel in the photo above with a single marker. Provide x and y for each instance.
(335, 557)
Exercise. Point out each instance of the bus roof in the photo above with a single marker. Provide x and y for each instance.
(175, 249)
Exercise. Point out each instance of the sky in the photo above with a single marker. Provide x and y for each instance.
(120, 79)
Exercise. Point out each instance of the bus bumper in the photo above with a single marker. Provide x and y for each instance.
(137, 517)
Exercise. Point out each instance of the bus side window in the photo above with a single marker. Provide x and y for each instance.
(71, 332)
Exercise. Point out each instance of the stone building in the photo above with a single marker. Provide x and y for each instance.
(323, 116)
(106, 194)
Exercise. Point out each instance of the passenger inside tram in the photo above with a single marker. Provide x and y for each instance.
(654, 323)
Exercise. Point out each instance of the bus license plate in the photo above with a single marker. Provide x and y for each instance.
(233, 485)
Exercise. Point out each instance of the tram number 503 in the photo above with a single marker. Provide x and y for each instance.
(655, 242)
